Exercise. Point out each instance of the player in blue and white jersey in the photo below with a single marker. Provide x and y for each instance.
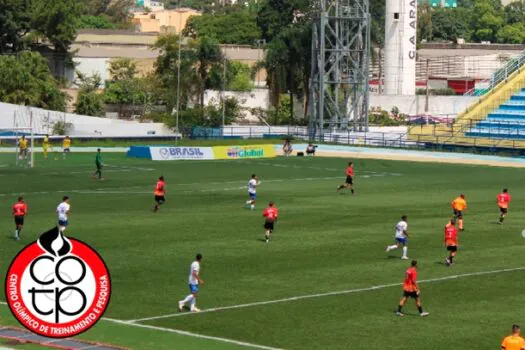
(401, 237)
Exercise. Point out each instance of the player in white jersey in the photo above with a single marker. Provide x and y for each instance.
(252, 191)
(194, 280)
(63, 210)
(401, 237)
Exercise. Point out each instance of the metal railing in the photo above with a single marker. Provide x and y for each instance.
(500, 75)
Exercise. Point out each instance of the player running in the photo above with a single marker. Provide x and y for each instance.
(193, 280)
(458, 206)
(271, 213)
(513, 341)
(451, 242)
(19, 213)
(252, 191)
(63, 211)
(349, 178)
(99, 164)
(159, 193)
(66, 146)
(45, 145)
(411, 290)
(503, 204)
(401, 237)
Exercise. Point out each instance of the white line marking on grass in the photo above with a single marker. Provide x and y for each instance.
(181, 332)
(319, 295)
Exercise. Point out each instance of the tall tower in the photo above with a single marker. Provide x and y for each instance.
(340, 66)
(400, 47)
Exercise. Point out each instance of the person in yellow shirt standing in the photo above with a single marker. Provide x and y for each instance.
(66, 144)
(458, 206)
(514, 341)
(45, 145)
(22, 146)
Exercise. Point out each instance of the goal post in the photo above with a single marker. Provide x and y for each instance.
(11, 143)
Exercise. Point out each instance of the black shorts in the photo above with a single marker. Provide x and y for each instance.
(67, 150)
(503, 210)
(458, 214)
(408, 294)
(160, 199)
(19, 220)
(99, 166)
(452, 248)
(268, 225)
(349, 180)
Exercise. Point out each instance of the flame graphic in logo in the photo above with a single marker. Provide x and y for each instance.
(54, 242)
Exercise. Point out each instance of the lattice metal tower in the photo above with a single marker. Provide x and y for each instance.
(340, 67)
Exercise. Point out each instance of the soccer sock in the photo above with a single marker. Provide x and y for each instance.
(192, 303)
(352, 190)
(392, 247)
(17, 234)
(399, 307)
(450, 258)
(188, 299)
(501, 218)
(420, 309)
(405, 249)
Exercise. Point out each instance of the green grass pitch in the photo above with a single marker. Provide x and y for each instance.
(324, 242)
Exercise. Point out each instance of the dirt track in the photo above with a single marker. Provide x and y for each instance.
(451, 159)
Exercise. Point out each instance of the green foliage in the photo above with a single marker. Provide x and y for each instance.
(515, 12)
(25, 79)
(232, 28)
(89, 100)
(122, 69)
(449, 24)
(237, 77)
(424, 22)
(437, 92)
(57, 21)
(95, 22)
(211, 115)
(512, 34)
(15, 20)
(61, 127)
(379, 117)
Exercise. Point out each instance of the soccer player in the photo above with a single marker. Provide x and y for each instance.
(513, 341)
(63, 210)
(159, 194)
(194, 280)
(451, 242)
(45, 145)
(271, 214)
(22, 145)
(99, 164)
(66, 146)
(503, 204)
(458, 206)
(401, 237)
(19, 213)
(411, 290)
(349, 178)
(252, 191)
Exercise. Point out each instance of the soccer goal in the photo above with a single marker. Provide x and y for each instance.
(19, 140)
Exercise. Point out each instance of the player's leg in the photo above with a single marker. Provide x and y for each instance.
(460, 221)
(253, 198)
(420, 308)
(502, 215)
(391, 247)
(188, 299)
(62, 225)
(44, 150)
(402, 303)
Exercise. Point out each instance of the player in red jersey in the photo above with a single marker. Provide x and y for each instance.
(19, 213)
(411, 290)
(451, 242)
(503, 204)
(271, 213)
(159, 194)
(349, 178)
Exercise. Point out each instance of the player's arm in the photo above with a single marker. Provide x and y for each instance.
(196, 275)
(405, 232)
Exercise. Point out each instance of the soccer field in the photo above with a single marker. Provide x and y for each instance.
(324, 282)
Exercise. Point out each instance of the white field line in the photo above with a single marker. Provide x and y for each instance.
(320, 295)
(181, 332)
(116, 191)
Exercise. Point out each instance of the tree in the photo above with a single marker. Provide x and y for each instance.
(449, 24)
(234, 28)
(487, 20)
(25, 79)
(122, 69)
(89, 101)
(57, 21)
(15, 19)
(236, 78)
(424, 22)
(95, 22)
(120, 12)
(515, 12)
(512, 34)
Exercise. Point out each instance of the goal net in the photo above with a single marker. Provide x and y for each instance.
(17, 142)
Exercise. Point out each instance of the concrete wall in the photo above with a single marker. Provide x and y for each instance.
(82, 125)
(415, 105)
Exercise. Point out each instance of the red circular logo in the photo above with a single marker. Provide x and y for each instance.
(58, 287)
